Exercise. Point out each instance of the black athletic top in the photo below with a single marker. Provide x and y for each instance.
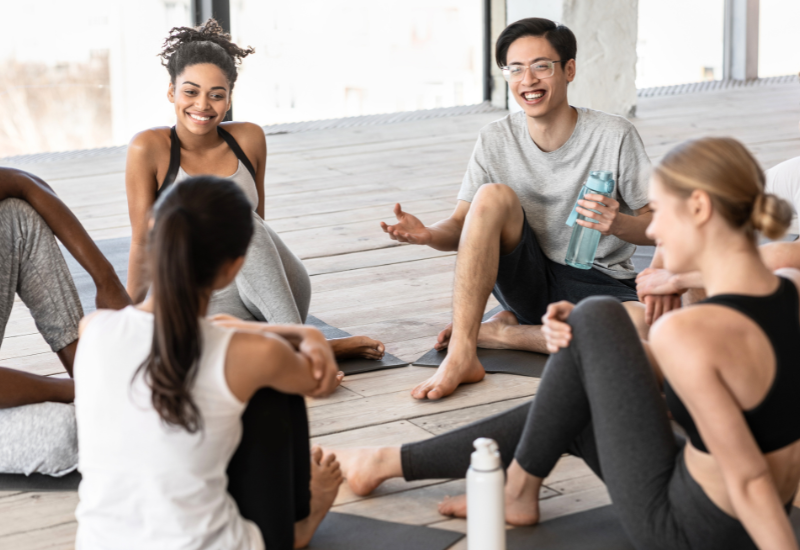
(775, 422)
(175, 157)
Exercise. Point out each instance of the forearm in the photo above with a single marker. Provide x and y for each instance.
(760, 510)
(632, 229)
(138, 283)
(19, 388)
(446, 234)
(63, 223)
(688, 281)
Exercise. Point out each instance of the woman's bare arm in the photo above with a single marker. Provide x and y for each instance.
(689, 360)
(141, 185)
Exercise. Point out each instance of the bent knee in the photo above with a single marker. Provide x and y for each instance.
(22, 213)
(494, 196)
(598, 311)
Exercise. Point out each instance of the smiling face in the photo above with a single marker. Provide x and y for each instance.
(539, 97)
(202, 97)
(676, 224)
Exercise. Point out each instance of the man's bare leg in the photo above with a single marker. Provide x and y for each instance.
(492, 227)
(503, 331)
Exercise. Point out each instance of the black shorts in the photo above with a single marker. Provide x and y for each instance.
(528, 281)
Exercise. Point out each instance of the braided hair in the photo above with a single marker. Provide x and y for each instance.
(208, 43)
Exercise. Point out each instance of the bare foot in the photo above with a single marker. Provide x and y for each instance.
(456, 369)
(365, 468)
(454, 506)
(490, 335)
(357, 346)
(326, 476)
(519, 512)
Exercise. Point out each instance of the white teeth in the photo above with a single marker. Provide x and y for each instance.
(200, 118)
(536, 95)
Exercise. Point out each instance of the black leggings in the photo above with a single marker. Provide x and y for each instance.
(599, 400)
(269, 475)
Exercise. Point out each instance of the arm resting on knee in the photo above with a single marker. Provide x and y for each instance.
(66, 227)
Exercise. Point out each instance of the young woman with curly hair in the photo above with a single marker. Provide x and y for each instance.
(273, 285)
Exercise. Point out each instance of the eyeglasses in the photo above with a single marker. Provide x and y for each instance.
(539, 69)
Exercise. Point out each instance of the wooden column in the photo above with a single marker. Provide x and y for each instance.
(740, 51)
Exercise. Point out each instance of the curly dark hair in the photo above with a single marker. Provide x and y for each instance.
(208, 43)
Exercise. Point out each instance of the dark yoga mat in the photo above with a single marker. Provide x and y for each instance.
(597, 529)
(349, 532)
(116, 250)
(39, 483)
(508, 361)
(355, 365)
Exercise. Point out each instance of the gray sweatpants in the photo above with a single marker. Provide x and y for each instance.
(599, 400)
(272, 286)
(37, 438)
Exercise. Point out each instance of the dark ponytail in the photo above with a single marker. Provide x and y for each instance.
(199, 225)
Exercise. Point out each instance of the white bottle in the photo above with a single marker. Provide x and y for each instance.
(486, 515)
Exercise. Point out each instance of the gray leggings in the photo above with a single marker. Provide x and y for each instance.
(599, 400)
(273, 285)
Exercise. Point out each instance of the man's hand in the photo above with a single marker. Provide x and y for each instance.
(408, 228)
(556, 330)
(324, 368)
(608, 208)
(659, 291)
(111, 295)
(656, 281)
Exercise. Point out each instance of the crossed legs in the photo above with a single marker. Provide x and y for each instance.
(493, 227)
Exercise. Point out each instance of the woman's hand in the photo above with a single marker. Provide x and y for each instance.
(556, 330)
(324, 368)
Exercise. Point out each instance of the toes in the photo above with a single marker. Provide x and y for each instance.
(328, 460)
(316, 454)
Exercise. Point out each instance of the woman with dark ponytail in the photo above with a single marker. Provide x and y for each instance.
(273, 284)
(194, 435)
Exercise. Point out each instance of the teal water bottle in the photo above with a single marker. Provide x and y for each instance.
(583, 243)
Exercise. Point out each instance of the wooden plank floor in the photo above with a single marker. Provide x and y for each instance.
(326, 193)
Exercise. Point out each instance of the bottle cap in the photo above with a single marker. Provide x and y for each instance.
(486, 457)
(600, 181)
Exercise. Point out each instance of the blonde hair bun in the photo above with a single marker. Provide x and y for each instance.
(771, 216)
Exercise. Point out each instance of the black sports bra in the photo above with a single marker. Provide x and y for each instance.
(775, 422)
(175, 157)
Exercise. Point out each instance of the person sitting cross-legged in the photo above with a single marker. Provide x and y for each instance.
(37, 423)
(521, 184)
(727, 366)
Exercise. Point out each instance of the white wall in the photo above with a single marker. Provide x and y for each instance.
(606, 62)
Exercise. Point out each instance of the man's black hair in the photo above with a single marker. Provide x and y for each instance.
(559, 36)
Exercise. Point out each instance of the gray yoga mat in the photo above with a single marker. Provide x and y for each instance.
(116, 250)
(350, 532)
(597, 529)
(507, 361)
(39, 483)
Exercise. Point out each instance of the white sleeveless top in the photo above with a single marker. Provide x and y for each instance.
(146, 485)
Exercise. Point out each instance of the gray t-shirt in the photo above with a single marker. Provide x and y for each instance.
(547, 184)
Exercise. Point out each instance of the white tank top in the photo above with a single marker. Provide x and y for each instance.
(147, 485)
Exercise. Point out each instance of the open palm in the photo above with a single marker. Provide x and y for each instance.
(408, 228)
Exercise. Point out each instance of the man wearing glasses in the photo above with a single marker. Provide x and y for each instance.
(521, 184)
